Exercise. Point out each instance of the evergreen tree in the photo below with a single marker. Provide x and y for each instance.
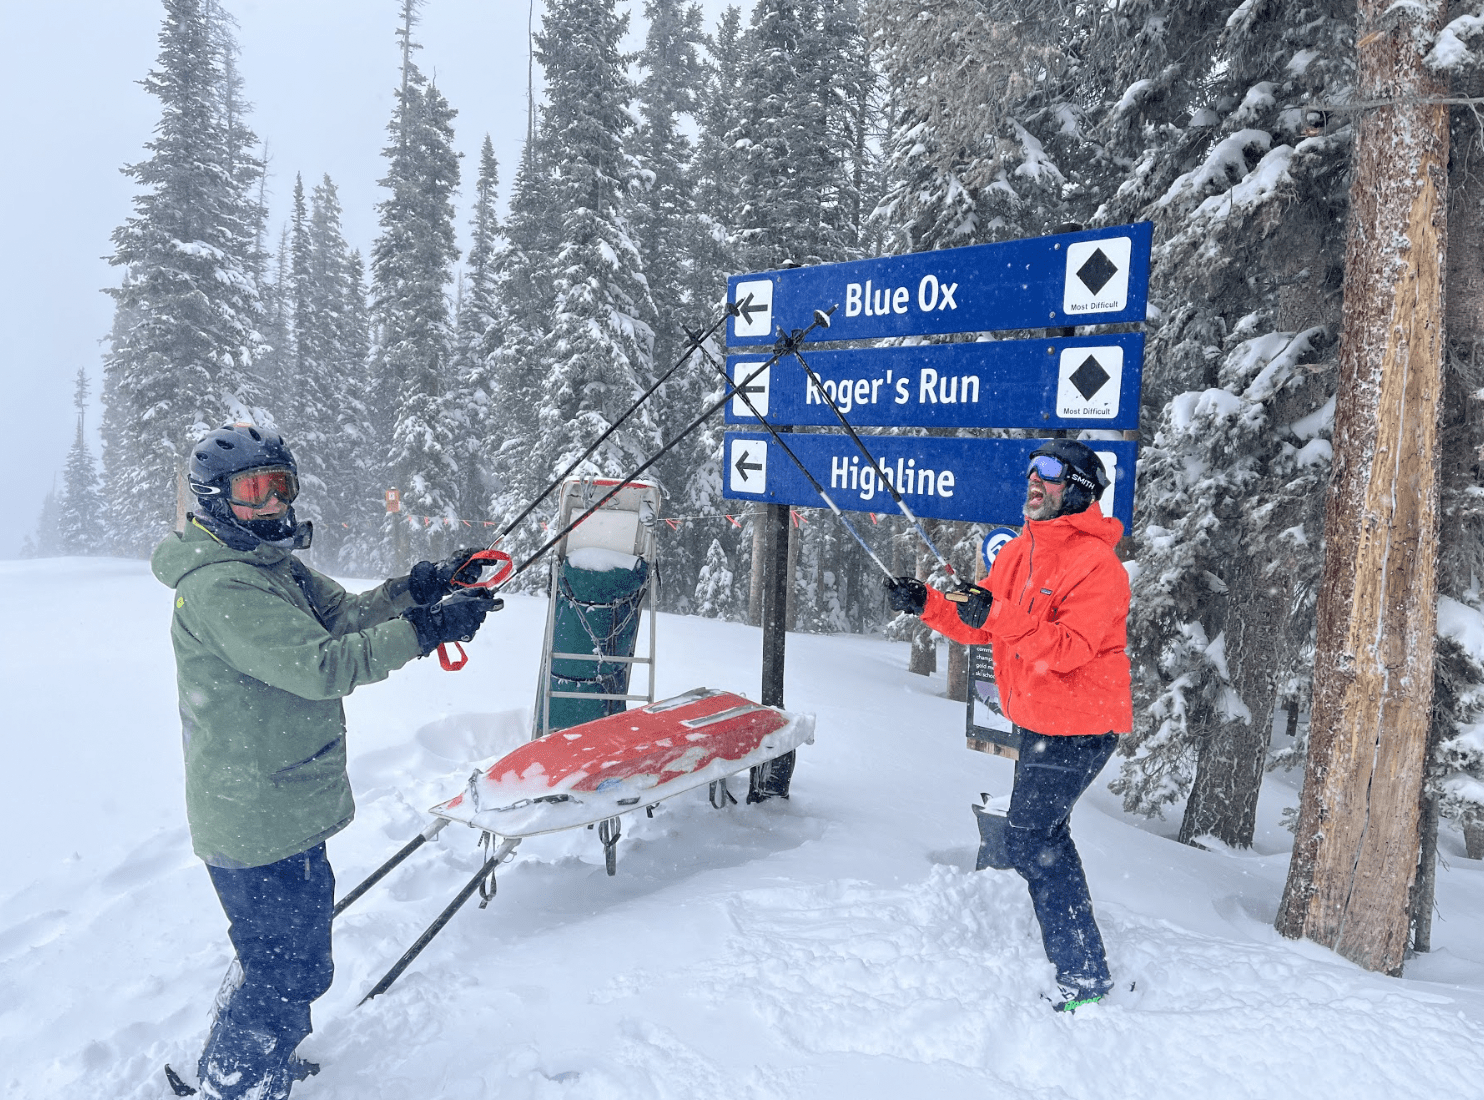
(411, 264)
(524, 281)
(80, 509)
(1246, 186)
(715, 595)
(673, 238)
(47, 542)
(479, 340)
(187, 312)
(598, 358)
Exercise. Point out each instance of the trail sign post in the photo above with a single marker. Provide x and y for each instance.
(1060, 381)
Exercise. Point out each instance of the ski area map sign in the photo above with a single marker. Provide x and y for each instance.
(1096, 276)
(1059, 382)
(979, 480)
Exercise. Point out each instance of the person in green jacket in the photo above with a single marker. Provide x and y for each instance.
(265, 649)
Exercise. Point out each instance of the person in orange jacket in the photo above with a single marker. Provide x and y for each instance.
(1055, 610)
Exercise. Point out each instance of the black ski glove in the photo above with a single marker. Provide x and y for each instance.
(973, 605)
(429, 582)
(906, 594)
(454, 620)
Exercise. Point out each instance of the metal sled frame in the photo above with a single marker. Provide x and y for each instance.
(625, 524)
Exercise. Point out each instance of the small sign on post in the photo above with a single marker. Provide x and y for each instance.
(393, 501)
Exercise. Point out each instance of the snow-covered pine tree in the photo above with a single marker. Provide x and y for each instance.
(411, 264)
(187, 310)
(524, 281)
(272, 368)
(672, 238)
(479, 339)
(47, 541)
(715, 594)
(598, 358)
(1246, 184)
(80, 509)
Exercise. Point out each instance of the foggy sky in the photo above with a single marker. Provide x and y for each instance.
(320, 76)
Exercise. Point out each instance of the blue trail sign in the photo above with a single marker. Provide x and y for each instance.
(979, 480)
(1061, 382)
(1096, 276)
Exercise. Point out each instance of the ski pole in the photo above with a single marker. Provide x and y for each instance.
(696, 342)
(880, 473)
(434, 828)
(818, 488)
(783, 347)
(507, 846)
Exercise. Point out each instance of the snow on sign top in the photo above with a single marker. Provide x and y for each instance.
(1096, 276)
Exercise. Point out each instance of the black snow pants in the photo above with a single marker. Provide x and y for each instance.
(1050, 776)
(280, 916)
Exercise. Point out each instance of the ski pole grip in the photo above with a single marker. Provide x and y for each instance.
(500, 563)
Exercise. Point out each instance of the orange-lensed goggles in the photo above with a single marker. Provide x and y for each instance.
(253, 488)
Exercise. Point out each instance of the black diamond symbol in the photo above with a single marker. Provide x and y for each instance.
(1097, 271)
(1090, 376)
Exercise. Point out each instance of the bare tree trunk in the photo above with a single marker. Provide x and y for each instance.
(184, 499)
(1425, 892)
(1473, 839)
(958, 672)
(1356, 853)
(755, 582)
(923, 659)
(1234, 749)
(791, 601)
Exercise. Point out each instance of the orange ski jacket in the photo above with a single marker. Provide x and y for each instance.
(1058, 625)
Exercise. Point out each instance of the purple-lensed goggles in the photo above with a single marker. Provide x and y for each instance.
(1048, 468)
(1054, 471)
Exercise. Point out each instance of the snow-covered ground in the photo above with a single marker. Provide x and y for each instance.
(833, 946)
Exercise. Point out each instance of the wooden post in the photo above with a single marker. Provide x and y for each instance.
(759, 567)
(775, 601)
(1357, 844)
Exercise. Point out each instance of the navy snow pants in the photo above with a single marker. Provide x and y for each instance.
(1050, 776)
(280, 916)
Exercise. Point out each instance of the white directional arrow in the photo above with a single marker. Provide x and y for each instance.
(756, 390)
(754, 300)
(747, 466)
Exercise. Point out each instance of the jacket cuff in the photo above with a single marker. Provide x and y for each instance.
(942, 616)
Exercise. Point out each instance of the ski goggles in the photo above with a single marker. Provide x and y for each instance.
(252, 488)
(1054, 471)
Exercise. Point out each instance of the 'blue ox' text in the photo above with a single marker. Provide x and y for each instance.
(861, 477)
(931, 295)
(932, 389)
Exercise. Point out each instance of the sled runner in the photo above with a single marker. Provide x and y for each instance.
(592, 774)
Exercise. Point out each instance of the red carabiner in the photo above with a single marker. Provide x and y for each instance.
(503, 567)
(448, 663)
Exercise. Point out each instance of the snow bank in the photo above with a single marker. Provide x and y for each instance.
(835, 945)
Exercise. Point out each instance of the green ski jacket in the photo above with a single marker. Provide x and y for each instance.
(265, 649)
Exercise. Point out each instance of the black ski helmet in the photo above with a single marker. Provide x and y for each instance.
(229, 450)
(1086, 480)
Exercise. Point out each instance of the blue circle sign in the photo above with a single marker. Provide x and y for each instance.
(994, 542)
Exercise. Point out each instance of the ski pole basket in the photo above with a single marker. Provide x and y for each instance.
(602, 579)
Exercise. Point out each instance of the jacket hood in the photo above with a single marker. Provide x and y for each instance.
(1091, 522)
(184, 552)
